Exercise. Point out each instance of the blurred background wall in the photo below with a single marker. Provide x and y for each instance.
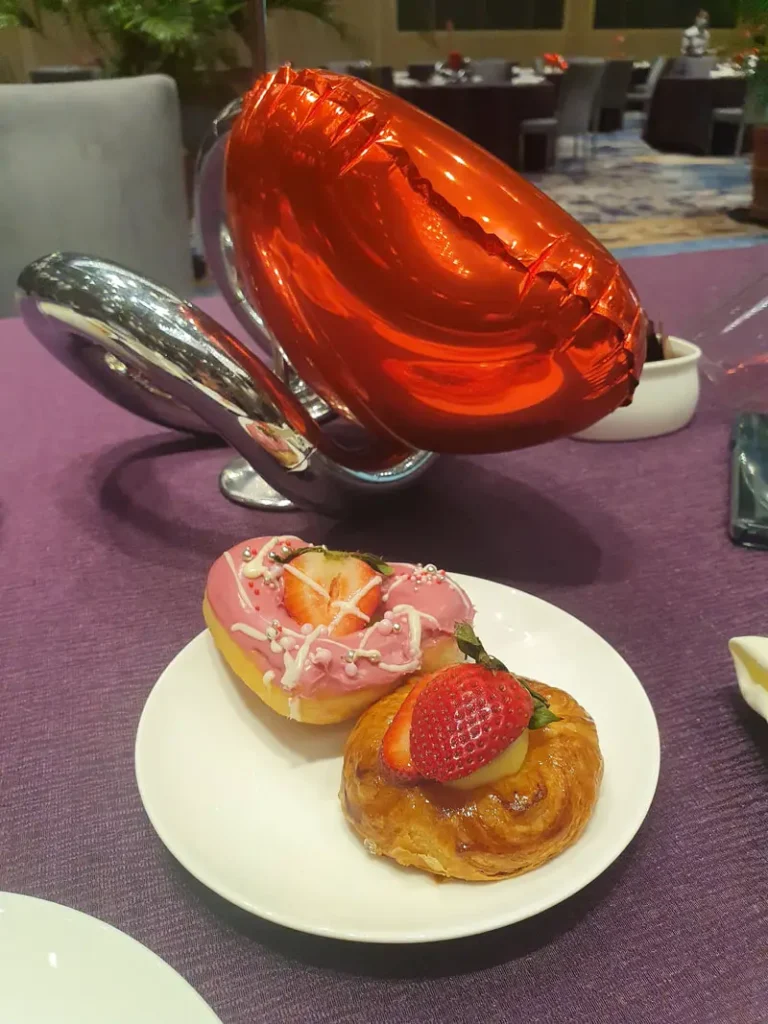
(376, 32)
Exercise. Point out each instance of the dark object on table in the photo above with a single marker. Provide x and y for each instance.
(65, 73)
(655, 344)
(421, 72)
(749, 481)
(576, 102)
(612, 99)
(639, 97)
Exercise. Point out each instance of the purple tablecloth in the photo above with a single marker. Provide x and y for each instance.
(107, 526)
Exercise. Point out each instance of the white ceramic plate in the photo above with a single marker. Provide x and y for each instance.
(247, 801)
(58, 965)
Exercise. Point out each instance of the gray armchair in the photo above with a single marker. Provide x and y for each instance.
(576, 105)
(94, 167)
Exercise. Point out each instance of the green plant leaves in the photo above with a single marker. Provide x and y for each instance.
(180, 37)
(375, 561)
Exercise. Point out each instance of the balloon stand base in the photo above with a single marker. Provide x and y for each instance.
(240, 482)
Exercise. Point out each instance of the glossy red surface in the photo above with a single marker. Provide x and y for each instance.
(417, 283)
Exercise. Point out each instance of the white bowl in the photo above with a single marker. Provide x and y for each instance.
(665, 399)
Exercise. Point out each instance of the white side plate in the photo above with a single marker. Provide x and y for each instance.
(58, 965)
(248, 801)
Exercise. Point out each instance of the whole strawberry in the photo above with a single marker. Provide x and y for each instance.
(465, 718)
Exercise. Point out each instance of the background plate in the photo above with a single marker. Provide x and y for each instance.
(248, 801)
(59, 966)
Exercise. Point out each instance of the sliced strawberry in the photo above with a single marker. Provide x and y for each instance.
(323, 588)
(466, 718)
(396, 745)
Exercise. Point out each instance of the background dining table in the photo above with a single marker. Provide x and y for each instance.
(107, 527)
(680, 116)
(489, 114)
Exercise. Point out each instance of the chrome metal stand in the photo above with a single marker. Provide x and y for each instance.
(166, 360)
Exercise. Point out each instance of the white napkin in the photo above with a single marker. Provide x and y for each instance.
(750, 657)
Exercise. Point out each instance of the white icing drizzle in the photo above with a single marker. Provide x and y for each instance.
(242, 593)
(307, 580)
(407, 666)
(350, 607)
(269, 677)
(414, 617)
(366, 634)
(294, 708)
(373, 654)
(242, 627)
(362, 651)
(294, 664)
(255, 568)
(347, 608)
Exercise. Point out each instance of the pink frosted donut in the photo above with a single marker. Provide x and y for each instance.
(302, 671)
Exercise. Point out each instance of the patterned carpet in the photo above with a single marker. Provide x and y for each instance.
(640, 202)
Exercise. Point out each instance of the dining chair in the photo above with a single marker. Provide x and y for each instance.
(613, 92)
(644, 93)
(64, 73)
(493, 70)
(753, 112)
(94, 167)
(575, 109)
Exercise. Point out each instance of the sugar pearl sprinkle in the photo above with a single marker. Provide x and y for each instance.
(247, 554)
(426, 574)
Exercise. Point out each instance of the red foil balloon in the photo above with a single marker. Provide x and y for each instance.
(418, 284)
